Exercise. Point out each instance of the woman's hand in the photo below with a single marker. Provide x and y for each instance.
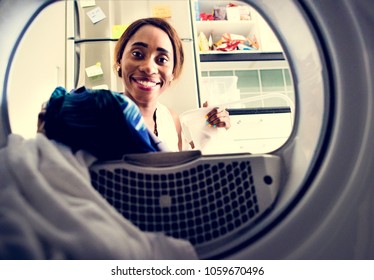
(218, 117)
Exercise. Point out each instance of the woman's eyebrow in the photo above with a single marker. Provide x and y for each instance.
(144, 45)
(141, 44)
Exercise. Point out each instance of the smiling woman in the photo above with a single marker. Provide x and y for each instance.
(148, 56)
(241, 206)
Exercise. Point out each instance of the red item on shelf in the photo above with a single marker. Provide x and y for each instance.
(229, 46)
(231, 5)
(205, 16)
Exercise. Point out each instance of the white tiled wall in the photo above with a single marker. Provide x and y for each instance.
(256, 79)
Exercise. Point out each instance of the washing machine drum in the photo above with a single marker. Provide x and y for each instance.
(311, 198)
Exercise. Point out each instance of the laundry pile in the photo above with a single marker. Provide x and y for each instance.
(49, 210)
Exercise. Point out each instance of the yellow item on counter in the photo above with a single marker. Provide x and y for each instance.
(218, 43)
(203, 42)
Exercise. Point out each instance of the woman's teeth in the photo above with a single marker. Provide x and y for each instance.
(147, 83)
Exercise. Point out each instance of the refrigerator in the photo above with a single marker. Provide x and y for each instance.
(96, 27)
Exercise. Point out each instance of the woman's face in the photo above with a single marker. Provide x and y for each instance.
(147, 64)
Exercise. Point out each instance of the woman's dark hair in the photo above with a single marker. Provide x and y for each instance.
(159, 23)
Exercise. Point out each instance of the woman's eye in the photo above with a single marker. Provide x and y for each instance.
(137, 54)
(163, 60)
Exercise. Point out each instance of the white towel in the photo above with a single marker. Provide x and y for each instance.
(49, 210)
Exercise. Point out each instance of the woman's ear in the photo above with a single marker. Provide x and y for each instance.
(119, 70)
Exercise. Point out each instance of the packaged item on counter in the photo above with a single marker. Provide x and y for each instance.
(227, 37)
(232, 12)
(218, 43)
(219, 13)
(210, 42)
(231, 42)
(245, 13)
(203, 42)
(229, 46)
(205, 16)
(253, 42)
(245, 47)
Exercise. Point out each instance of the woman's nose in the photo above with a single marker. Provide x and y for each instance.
(149, 67)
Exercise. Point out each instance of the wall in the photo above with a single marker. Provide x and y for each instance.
(38, 67)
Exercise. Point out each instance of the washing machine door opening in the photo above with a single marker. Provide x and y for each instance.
(270, 185)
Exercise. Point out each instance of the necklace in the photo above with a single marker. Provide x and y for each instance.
(155, 126)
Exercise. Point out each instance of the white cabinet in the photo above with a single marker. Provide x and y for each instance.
(261, 133)
(250, 25)
(218, 28)
(258, 72)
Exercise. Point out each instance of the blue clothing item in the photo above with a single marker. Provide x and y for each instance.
(107, 124)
